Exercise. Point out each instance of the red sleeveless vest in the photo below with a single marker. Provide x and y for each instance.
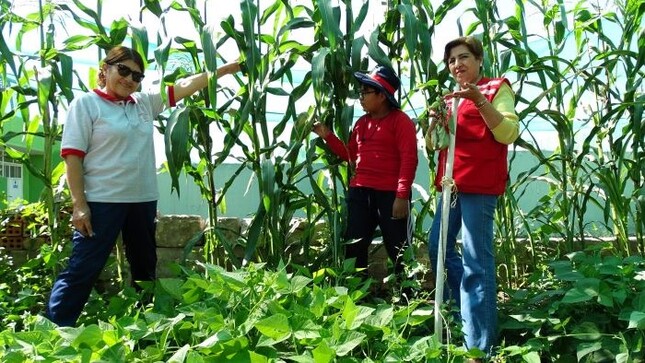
(480, 164)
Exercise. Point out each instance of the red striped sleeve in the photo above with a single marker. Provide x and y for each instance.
(171, 96)
(66, 152)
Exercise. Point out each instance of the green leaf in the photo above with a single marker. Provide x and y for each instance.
(218, 337)
(531, 357)
(318, 71)
(278, 91)
(559, 32)
(299, 282)
(421, 315)
(209, 45)
(7, 56)
(354, 315)
(95, 24)
(410, 28)
(358, 19)
(587, 331)
(118, 31)
(585, 290)
(382, 317)
(637, 320)
(268, 184)
(255, 230)
(318, 302)
(234, 280)
(140, 40)
(584, 349)
(64, 76)
(30, 337)
(172, 286)
(375, 52)
(350, 341)
(154, 7)
(323, 353)
(295, 23)
(180, 355)
(89, 337)
(177, 140)
(162, 52)
(330, 23)
(564, 271)
(252, 54)
(275, 327)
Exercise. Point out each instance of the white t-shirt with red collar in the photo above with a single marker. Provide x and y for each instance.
(115, 140)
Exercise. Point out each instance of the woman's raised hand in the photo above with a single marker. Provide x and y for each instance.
(468, 91)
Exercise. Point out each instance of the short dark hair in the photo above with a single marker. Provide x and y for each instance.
(119, 54)
(473, 44)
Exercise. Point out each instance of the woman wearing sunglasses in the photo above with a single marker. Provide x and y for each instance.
(108, 149)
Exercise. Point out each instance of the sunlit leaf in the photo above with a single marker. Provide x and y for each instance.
(275, 327)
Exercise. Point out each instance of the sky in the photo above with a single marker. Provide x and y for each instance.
(217, 10)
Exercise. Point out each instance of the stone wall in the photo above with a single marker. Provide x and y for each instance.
(175, 232)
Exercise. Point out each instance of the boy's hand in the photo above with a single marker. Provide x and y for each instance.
(400, 208)
(320, 129)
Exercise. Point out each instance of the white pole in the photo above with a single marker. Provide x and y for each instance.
(447, 184)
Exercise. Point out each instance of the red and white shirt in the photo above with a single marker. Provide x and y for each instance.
(115, 140)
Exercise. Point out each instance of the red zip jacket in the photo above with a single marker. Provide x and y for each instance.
(480, 164)
(384, 152)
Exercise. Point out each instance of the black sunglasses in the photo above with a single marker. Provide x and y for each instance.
(361, 94)
(125, 71)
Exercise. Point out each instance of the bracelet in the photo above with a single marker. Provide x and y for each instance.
(481, 104)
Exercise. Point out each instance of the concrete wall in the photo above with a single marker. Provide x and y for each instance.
(243, 198)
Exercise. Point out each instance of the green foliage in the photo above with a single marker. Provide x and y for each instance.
(588, 307)
(248, 315)
(21, 291)
(586, 70)
(577, 61)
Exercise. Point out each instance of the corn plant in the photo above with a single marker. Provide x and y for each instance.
(576, 62)
(406, 35)
(601, 170)
(52, 71)
(188, 128)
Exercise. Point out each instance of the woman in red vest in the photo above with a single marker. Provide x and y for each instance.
(486, 125)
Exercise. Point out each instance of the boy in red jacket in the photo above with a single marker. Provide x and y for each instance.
(382, 149)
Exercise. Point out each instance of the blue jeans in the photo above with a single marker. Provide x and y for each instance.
(471, 274)
(136, 223)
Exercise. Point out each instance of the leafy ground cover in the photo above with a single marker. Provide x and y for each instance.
(588, 308)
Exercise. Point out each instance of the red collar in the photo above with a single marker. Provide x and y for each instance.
(107, 97)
